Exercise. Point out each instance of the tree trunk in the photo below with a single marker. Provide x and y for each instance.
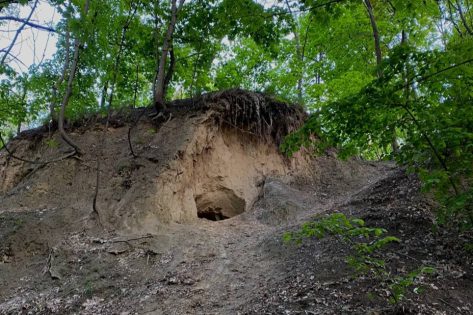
(24, 105)
(379, 60)
(121, 46)
(300, 57)
(57, 85)
(377, 44)
(170, 72)
(135, 93)
(160, 86)
(452, 18)
(104, 95)
(68, 93)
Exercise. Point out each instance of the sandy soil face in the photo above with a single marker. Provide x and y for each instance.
(194, 226)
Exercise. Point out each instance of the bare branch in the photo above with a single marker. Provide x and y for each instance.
(29, 23)
(18, 32)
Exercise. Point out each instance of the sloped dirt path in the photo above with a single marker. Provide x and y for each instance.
(245, 254)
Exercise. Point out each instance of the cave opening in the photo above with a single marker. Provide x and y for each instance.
(219, 204)
(212, 214)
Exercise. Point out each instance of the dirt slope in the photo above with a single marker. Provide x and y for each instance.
(159, 250)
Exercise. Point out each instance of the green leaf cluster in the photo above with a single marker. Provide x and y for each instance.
(367, 244)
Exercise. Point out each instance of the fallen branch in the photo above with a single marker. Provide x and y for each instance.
(133, 239)
(48, 268)
(101, 241)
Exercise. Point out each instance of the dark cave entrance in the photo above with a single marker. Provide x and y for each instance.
(212, 214)
(220, 204)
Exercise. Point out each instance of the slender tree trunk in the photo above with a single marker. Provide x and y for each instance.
(160, 86)
(156, 48)
(102, 143)
(379, 60)
(136, 85)
(104, 94)
(57, 85)
(377, 43)
(121, 46)
(300, 58)
(194, 72)
(452, 18)
(395, 144)
(24, 105)
(170, 72)
(67, 95)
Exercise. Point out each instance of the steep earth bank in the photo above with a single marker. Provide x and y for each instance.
(194, 225)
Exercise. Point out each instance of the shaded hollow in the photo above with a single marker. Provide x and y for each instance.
(219, 204)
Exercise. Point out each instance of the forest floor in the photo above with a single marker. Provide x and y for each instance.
(57, 259)
(240, 265)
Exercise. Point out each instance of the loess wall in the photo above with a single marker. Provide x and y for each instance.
(187, 168)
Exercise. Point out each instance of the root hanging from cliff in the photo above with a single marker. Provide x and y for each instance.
(252, 112)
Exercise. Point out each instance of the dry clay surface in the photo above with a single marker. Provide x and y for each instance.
(194, 226)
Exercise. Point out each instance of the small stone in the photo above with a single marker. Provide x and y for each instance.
(188, 281)
(172, 280)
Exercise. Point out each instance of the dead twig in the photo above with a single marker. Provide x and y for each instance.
(48, 268)
(450, 305)
(131, 239)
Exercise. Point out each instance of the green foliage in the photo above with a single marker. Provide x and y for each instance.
(336, 224)
(367, 244)
(400, 284)
(469, 248)
(421, 99)
(88, 288)
(52, 143)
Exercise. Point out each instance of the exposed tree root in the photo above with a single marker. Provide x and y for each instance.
(256, 113)
(43, 163)
(130, 145)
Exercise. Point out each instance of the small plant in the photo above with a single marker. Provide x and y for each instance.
(468, 247)
(19, 223)
(52, 143)
(366, 243)
(88, 288)
(151, 131)
(401, 284)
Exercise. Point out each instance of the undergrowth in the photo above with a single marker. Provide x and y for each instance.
(367, 245)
